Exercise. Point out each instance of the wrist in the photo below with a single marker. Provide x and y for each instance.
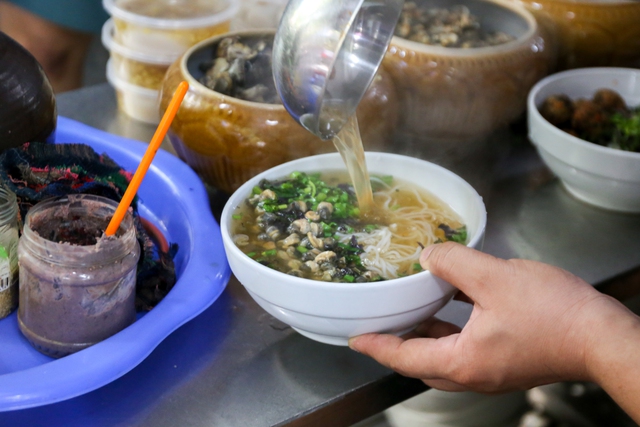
(613, 342)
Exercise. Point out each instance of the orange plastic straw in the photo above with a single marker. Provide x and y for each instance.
(154, 145)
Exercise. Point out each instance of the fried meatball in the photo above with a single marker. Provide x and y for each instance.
(557, 109)
(609, 100)
(589, 120)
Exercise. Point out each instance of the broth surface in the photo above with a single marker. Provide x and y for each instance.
(311, 226)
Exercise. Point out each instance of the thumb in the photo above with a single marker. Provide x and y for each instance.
(473, 272)
(424, 358)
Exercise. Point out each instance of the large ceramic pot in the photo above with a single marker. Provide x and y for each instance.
(227, 140)
(591, 33)
(27, 102)
(451, 97)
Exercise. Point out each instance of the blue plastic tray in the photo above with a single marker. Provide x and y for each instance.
(174, 199)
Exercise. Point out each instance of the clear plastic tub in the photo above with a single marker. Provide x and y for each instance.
(167, 26)
(8, 252)
(139, 103)
(258, 14)
(138, 68)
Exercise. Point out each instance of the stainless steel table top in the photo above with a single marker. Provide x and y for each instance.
(234, 365)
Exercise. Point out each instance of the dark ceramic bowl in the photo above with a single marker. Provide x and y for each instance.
(28, 111)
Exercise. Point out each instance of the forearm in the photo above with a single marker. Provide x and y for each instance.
(614, 357)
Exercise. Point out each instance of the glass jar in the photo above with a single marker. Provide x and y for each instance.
(77, 287)
(8, 252)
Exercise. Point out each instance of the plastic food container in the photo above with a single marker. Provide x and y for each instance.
(76, 287)
(138, 68)
(258, 14)
(169, 27)
(8, 252)
(139, 103)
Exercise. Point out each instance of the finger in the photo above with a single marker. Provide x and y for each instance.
(411, 335)
(473, 272)
(445, 385)
(417, 358)
(461, 296)
(436, 328)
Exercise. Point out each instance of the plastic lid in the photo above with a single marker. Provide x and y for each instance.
(108, 30)
(194, 18)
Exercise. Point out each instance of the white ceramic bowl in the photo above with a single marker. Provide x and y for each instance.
(334, 312)
(602, 176)
(436, 408)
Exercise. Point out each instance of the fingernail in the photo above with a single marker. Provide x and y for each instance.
(352, 343)
(424, 255)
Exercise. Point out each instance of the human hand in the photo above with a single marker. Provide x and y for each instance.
(531, 324)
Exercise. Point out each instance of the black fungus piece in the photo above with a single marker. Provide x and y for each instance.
(354, 244)
(448, 231)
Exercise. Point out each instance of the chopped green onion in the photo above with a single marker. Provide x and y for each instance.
(369, 228)
(302, 249)
(349, 278)
(256, 190)
(460, 235)
(270, 252)
(236, 216)
(417, 267)
(251, 254)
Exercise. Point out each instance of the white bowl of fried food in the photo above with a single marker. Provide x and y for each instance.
(297, 240)
(585, 124)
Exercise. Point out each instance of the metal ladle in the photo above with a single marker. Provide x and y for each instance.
(325, 55)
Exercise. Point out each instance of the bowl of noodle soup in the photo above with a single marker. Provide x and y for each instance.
(380, 287)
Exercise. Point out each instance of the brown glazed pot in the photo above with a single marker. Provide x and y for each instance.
(27, 102)
(457, 95)
(228, 140)
(594, 33)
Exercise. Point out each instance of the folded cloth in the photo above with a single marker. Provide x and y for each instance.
(38, 171)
